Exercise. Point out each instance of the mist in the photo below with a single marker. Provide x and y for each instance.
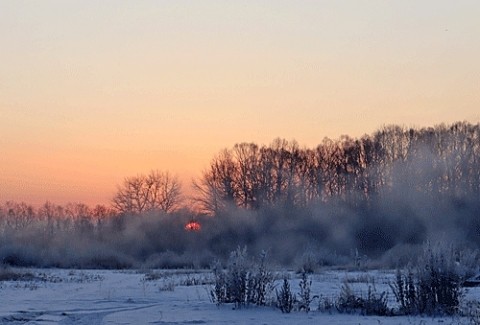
(378, 199)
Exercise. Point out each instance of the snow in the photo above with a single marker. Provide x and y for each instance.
(168, 297)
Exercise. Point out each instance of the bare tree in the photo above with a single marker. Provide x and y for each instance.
(215, 190)
(52, 215)
(17, 215)
(78, 216)
(142, 193)
(435, 160)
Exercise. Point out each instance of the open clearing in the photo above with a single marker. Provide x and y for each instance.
(53, 296)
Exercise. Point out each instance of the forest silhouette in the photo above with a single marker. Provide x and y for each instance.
(378, 197)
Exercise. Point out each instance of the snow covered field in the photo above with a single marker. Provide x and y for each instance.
(51, 296)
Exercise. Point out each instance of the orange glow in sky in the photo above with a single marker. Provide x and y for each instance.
(95, 91)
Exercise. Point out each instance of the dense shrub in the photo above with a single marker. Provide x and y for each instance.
(244, 281)
(260, 282)
(405, 292)
(285, 297)
(372, 304)
(305, 298)
(434, 286)
(219, 291)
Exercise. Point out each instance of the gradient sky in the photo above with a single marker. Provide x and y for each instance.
(94, 91)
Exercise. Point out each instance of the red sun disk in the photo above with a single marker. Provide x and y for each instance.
(193, 226)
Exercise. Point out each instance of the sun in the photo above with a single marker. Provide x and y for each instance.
(193, 226)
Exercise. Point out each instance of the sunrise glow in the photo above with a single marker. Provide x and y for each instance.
(92, 92)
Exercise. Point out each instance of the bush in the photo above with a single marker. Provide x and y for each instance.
(373, 304)
(434, 287)
(219, 291)
(285, 297)
(376, 304)
(438, 288)
(348, 302)
(326, 304)
(243, 282)
(237, 277)
(405, 292)
(260, 282)
(305, 288)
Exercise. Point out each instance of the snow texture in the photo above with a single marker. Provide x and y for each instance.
(172, 297)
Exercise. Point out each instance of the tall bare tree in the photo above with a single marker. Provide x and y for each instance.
(15, 215)
(215, 190)
(155, 191)
(435, 160)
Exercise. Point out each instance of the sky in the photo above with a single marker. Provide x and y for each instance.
(93, 91)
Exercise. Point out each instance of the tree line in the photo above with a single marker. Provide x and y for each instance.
(394, 188)
(440, 160)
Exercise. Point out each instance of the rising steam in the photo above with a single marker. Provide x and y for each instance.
(379, 197)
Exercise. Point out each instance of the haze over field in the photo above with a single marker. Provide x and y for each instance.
(381, 196)
(92, 92)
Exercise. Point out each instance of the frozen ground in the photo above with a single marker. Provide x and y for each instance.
(168, 297)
